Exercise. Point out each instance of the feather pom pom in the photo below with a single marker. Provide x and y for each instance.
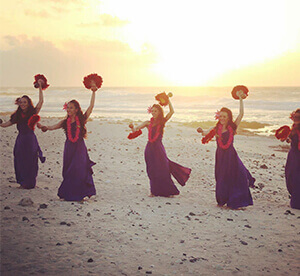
(40, 77)
(135, 134)
(163, 98)
(87, 81)
(282, 133)
(238, 88)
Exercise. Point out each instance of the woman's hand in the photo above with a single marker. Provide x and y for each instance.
(131, 126)
(241, 95)
(94, 88)
(40, 82)
(200, 130)
(42, 128)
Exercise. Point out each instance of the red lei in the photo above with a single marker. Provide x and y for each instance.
(69, 133)
(229, 142)
(150, 139)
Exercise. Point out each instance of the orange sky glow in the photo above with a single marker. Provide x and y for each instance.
(151, 43)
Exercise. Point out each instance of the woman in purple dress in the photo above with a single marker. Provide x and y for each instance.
(292, 167)
(232, 178)
(26, 149)
(159, 167)
(77, 167)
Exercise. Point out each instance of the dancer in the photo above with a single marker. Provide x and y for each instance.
(26, 149)
(292, 167)
(77, 167)
(232, 178)
(159, 167)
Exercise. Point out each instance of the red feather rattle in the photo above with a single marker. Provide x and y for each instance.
(92, 80)
(163, 98)
(44, 81)
(283, 133)
(208, 137)
(135, 134)
(239, 89)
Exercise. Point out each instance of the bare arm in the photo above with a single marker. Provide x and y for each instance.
(141, 126)
(53, 127)
(7, 124)
(241, 114)
(171, 112)
(41, 98)
(92, 103)
(205, 132)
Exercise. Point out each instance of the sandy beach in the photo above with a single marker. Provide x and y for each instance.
(122, 231)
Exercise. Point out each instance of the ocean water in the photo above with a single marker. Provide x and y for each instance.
(266, 108)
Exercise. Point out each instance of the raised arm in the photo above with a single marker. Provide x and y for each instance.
(41, 97)
(171, 112)
(241, 114)
(53, 127)
(92, 103)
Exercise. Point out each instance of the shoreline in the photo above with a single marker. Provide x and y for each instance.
(246, 128)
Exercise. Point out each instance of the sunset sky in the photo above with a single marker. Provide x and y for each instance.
(151, 43)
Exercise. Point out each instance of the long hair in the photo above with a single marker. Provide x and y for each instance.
(230, 119)
(161, 118)
(16, 116)
(295, 127)
(81, 117)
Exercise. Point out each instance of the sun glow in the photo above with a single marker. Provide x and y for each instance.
(196, 41)
(146, 43)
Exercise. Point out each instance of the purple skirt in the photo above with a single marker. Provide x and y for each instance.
(26, 154)
(160, 169)
(77, 172)
(292, 173)
(232, 178)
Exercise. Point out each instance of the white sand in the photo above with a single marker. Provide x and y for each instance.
(125, 232)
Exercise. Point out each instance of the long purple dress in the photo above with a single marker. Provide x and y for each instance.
(292, 172)
(26, 154)
(160, 168)
(232, 177)
(77, 170)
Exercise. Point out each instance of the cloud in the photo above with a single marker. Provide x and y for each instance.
(54, 8)
(106, 20)
(40, 13)
(114, 60)
(112, 21)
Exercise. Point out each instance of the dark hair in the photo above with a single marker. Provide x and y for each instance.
(295, 127)
(161, 118)
(81, 117)
(230, 119)
(16, 116)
